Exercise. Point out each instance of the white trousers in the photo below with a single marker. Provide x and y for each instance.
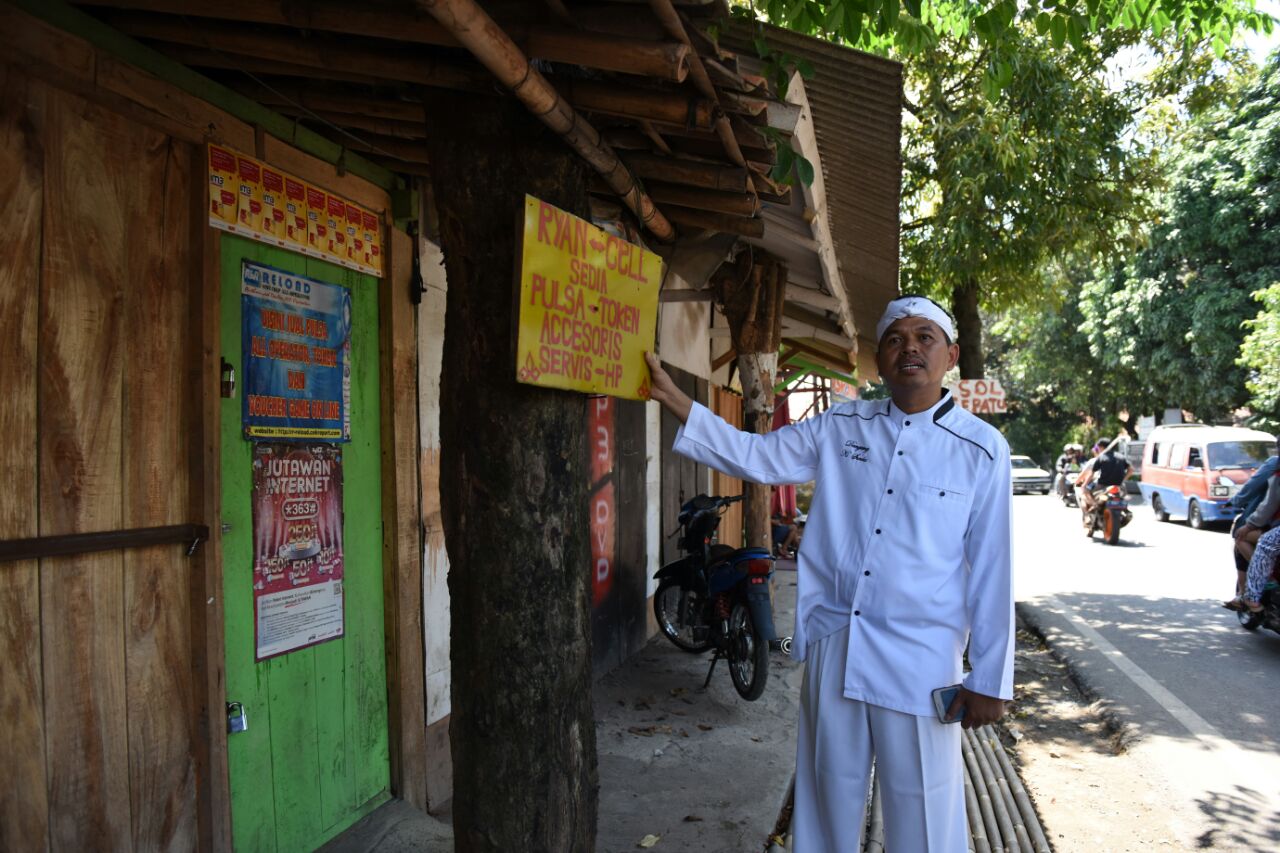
(918, 761)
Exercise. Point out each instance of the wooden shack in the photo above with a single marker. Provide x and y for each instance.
(147, 706)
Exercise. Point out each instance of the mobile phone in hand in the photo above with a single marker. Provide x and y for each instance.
(942, 699)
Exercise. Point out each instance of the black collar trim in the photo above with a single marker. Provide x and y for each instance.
(944, 408)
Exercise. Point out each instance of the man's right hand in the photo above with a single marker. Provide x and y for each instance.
(664, 390)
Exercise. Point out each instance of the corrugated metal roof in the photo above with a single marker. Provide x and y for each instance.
(856, 100)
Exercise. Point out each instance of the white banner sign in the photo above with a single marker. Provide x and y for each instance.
(980, 396)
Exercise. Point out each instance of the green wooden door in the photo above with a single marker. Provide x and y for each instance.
(314, 758)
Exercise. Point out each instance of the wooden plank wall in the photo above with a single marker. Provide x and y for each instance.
(97, 289)
(728, 405)
(682, 478)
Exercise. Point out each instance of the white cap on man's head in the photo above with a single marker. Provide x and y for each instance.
(915, 306)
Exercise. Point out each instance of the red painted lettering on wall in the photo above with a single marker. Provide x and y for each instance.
(600, 432)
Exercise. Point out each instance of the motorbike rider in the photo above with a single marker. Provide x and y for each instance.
(1259, 511)
(1067, 466)
(1106, 468)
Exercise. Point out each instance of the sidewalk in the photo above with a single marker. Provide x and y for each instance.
(701, 769)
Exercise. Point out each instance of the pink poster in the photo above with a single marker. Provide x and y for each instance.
(297, 546)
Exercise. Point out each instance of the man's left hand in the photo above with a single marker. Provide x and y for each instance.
(979, 710)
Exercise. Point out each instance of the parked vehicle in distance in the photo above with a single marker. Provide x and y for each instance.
(1029, 477)
(1193, 470)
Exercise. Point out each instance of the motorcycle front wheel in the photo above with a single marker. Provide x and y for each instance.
(666, 609)
(748, 654)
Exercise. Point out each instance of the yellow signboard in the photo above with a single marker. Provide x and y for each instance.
(588, 306)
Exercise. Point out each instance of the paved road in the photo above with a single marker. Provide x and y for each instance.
(1141, 623)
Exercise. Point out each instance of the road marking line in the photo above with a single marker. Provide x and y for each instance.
(1179, 710)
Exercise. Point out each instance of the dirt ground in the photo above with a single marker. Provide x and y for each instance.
(1088, 792)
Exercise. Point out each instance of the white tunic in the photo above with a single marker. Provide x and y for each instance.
(907, 540)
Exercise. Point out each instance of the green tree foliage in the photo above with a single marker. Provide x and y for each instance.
(1261, 353)
(1055, 382)
(1176, 311)
(1001, 182)
(1015, 150)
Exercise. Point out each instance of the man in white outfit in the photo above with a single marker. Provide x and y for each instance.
(906, 559)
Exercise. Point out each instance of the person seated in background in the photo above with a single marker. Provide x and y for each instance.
(786, 535)
(1250, 533)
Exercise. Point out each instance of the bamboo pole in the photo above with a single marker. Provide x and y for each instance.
(662, 59)
(716, 201)
(985, 805)
(669, 108)
(370, 62)
(988, 746)
(675, 27)
(1039, 843)
(1008, 835)
(692, 173)
(721, 222)
(495, 50)
(977, 830)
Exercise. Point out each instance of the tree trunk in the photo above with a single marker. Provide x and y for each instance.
(964, 305)
(514, 470)
(757, 371)
(751, 291)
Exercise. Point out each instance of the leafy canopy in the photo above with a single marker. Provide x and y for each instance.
(1177, 310)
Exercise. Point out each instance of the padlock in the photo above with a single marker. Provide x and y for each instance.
(237, 718)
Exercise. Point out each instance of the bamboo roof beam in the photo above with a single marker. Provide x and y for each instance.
(698, 73)
(692, 173)
(362, 125)
(716, 201)
(495, 50)
(420, 68)
(722, 222)
(389, 146)
(662, 60)
(199, 57)
(668, 108)
(656, 138)
(628, 55)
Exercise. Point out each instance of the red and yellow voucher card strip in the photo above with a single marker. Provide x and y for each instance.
(258, 201)
(588, 306)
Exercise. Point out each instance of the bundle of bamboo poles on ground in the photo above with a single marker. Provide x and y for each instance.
(1001, 817)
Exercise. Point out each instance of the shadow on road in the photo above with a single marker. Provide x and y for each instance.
(1240, 820)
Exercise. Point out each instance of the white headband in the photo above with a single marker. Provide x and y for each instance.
(914, 306)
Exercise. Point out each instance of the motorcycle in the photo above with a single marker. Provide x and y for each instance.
(1110, 513)
(717, 598)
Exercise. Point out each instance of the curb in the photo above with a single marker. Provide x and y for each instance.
(1123, 732)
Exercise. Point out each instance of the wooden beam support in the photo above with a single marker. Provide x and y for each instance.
(716, 201)
(724, 358)
(668, 108)
(660, 60)
(312, 53)
(668, 295)
(198, 57)
(665, 60)
(843, 363)
(363, 125)
(389, 146)
(715, 221)
(694, 173)
(674, 25)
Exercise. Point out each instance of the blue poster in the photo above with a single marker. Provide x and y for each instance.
(297, 356)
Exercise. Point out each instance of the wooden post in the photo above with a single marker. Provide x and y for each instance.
(752, 290)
